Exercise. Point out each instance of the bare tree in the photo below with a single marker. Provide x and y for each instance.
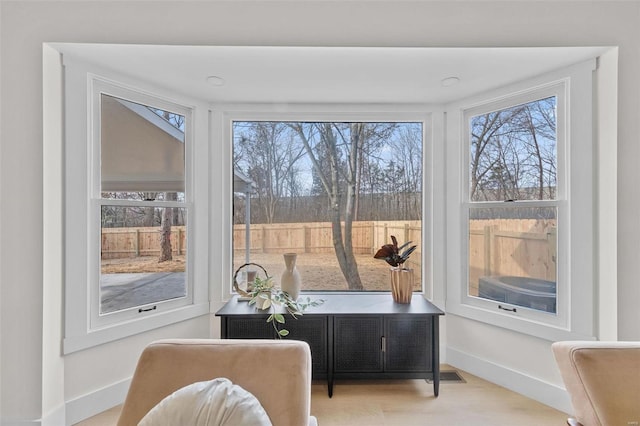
(167, 218)
(408, 150)
(149, 212)
(486, 130)
(165, 229)
(334, 139)
(513, 153)
(270, 154)
(540, 124)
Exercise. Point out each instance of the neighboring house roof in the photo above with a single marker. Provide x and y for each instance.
(142, 152)
(241, 183)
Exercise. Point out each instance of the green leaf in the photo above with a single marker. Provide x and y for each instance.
(283, 332)
(279, 318)
(270, 318)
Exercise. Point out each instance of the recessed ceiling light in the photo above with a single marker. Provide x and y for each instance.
(450, 81)
(215, 80)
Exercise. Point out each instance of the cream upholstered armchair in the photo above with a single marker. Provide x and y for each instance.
(603, 380)
(276, 372)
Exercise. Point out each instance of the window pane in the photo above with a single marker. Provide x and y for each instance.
(143, 248)
(512, 256)
(333, 193)
(513, 153)
(141, 148)
(134, 241)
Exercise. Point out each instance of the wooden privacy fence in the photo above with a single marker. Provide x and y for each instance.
(496, 247)
(134, 242)
(317, 237)
(518, 247)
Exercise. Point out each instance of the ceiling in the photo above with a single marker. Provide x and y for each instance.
(327, 74)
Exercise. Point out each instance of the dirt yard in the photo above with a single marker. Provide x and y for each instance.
(318, 271)
(142, 264)
(321, 271)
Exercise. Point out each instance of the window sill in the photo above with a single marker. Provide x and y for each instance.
(118, 331)
(517, 323)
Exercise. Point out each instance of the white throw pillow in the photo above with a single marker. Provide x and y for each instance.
(216, 402)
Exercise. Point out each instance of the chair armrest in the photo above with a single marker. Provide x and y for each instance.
(603, 380)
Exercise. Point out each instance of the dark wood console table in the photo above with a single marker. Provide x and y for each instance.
(353, 336)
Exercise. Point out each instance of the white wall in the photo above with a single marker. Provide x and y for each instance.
(28, 393)
(92, 376)
(606, 216)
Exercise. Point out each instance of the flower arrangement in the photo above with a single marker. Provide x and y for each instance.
(393, 254)
(264, 295)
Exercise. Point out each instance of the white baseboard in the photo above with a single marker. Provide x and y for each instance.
(21, 422)
(89, 405)
(54, 418)
(546, 393)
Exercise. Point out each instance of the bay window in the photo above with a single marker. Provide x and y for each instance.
(331, 191)
(521, 217)
(496, 190)
(130, 208)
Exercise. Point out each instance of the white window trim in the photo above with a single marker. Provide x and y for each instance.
(84, 328)
(226, 114)
(576, 253)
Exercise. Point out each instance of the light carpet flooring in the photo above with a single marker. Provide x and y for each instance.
(411, 402)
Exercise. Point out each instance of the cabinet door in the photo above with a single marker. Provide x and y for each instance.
(313, 330)
(249, 328)
(407, 343)
(357, 343)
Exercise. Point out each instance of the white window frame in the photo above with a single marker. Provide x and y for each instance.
(575, 202)
(226, 114)
(101, 87)
(84, 325)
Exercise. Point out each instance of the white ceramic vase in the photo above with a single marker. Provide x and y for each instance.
(290, 281)
(251, 277)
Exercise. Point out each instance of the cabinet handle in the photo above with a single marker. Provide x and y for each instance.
(383, 343)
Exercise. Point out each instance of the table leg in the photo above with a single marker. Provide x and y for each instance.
(330, 355)
(435, 355)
